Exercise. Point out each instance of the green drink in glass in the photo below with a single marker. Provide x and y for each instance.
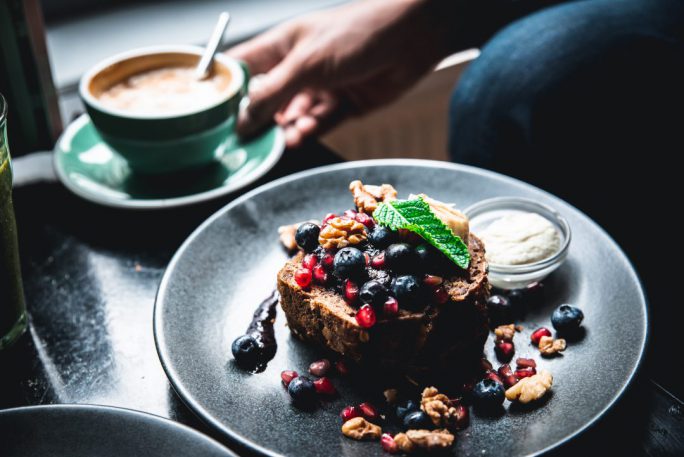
(12, 305)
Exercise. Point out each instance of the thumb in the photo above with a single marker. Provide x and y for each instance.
(263, 52)
(268, 93)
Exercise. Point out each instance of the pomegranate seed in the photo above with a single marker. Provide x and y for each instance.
(303, 278)
(526, 363)
(351, 292)
(309, 261)
(324, 386)
(350, 412)
(462, 416)
(319, 274)
(505, 370)
(441, 295)
(525, 372)
(391, 307)
(431, 280)
(365, 316)
(388, 444)
(327, 219)
(328, 260)
(504, 350)
(494, 376)
(378, 261)
(320, 367)
(506, 374)
(537, 335)
(369, 411)
(342, 368)
(350, 214)
(287, 376)
(510, 381)
(365, 219)
(486, 364)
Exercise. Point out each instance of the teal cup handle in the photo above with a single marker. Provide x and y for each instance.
(244, 91)
(247, 76)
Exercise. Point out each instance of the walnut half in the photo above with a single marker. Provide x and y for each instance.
(431, 440)
(549, 346)
(438, 407)
(367, 197)
(505, 332)
(404, 443)
(341, 232)
(359, 428)
(532, 388)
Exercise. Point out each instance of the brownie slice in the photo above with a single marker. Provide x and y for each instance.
(440, 340)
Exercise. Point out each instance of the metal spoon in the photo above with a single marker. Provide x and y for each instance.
(214, 41)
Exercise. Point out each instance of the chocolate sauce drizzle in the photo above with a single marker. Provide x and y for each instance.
(261, 329)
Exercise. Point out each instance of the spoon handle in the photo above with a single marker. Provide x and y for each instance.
(212, 46)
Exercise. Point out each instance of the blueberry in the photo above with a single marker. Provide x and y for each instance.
(534, 293)
(408, 407)
(516, 296)
(567, 318)
(306, 236)
(500, 310)
(373, 293)
(302, 390)
(246, 351)
(417, 420)
(407, 290)
(426, 257)
(488, 394)
(381, 237)
(349, 263)
(401, 258)
(525, 297)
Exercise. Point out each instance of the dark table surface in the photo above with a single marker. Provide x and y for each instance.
(91, 274)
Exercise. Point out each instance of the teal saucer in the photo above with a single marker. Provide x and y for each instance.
(90, 169)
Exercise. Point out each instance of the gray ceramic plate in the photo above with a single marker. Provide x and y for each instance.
(88, 431)
(229, 264)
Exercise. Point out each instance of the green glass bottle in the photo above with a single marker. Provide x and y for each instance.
(12, 306)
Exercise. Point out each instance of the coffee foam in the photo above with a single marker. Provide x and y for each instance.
(159, 85)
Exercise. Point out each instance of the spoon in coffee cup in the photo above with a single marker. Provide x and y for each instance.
(201, 71)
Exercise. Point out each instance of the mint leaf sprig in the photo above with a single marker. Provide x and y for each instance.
(415, 215)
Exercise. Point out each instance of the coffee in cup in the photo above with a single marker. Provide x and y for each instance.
(147, 105)
(165, 90)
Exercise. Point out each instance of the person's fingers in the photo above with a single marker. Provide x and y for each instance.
(298, 106)
(259, 55)
(306, 125)
(274, 90)
(325, 103)
(326, 113)
(298, 131)
(264, 51)
(293, 138)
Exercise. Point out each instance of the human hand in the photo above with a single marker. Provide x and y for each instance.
(321, 68)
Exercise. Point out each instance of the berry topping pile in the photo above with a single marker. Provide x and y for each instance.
(379, 271)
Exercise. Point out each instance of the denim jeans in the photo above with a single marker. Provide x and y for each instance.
(586, 100)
